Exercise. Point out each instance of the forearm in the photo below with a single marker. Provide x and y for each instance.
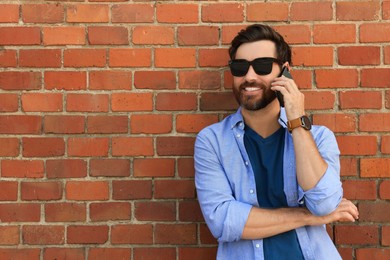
(310, 165)
(264, 223)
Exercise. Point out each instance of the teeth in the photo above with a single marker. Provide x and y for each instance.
(251, 88)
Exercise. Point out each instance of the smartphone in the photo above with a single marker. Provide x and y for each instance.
(279, 95)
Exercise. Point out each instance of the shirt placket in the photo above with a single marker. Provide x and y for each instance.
(239, 135)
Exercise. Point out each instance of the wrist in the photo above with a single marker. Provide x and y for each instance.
(304, 216)
(302, 121)
(294, 113)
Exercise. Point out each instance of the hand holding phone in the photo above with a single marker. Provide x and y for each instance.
(287, 74)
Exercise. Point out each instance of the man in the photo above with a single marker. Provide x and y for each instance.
(267, 181)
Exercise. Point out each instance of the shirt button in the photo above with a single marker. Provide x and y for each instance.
(251, 191)
(257, 245)
(238, 135)
(246, 163)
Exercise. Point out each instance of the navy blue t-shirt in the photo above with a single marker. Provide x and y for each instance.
(266, 157)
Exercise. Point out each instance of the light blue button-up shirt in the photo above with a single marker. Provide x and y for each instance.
(226, 189)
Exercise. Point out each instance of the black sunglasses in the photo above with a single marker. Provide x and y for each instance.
(262, 66)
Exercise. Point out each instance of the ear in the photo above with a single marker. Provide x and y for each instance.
(286, 64)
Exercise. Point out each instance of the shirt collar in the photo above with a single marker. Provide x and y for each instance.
(237, 118)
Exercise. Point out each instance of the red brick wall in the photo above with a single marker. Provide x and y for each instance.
(101, 100)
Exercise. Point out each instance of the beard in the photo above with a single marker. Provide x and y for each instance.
(253, 102)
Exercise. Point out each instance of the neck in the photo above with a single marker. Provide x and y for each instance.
(263, 121)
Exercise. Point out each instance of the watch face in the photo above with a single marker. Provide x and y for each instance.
(306, 122)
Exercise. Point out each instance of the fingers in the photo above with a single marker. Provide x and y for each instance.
(287, 82)
(345, 217)
(349, 207)
(346, 211)
(294, 99)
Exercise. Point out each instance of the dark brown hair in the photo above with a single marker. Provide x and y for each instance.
(257, 32)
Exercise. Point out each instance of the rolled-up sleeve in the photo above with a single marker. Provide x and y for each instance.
(224, 215)
(324, 198)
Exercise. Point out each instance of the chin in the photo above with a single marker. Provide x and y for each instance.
(254, 102)
(254, 105)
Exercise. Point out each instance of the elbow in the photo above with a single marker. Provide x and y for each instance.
(326, 196)
(321, 210)
(325, 206)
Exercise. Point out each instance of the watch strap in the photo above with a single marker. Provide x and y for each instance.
(292, 124)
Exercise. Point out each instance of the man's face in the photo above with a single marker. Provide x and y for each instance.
(252, 91)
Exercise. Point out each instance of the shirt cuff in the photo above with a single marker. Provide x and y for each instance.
(325, 196)
(234, 224)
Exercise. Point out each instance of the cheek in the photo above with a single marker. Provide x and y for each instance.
(276, 69)
(268, 79)
(237, 81)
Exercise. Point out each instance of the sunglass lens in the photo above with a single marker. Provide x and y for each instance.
(262, 67)
(239, 68)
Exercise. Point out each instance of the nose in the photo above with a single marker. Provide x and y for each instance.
(251, 75)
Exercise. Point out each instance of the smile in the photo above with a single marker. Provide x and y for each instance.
(250, 89)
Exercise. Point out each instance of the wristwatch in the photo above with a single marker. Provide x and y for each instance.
(302, 121)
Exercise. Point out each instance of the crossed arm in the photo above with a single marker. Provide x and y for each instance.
(230, 218)
(264, 223)
(311, 167)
